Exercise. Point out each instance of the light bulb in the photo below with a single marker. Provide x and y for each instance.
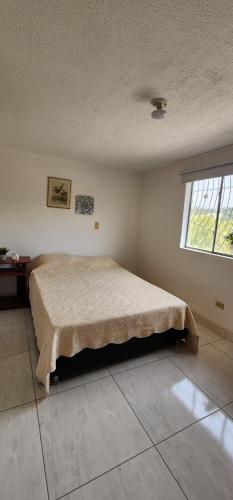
(159, 114)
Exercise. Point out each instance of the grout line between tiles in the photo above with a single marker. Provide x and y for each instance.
(220, 407)
(96, 380)
(29, 352)
(17, 406)
(22, 322)
(227, 405)
(39, 429)
(137, 366)
(112, 376)
(148, 435)
(211, 342)
(27, 402)
(119, 388)
(12, 354)
(105, 472)
(199, 387)
(123, 371)
(224, 408)
(170, 358)
(227, 414)
(7, 325)
(24, 313)
(179, 432)
(71, 388)
(167, 357)
(163, 356)
(212, 326)
(187, 427)
(42, 451)
(230, 357)
(176, 480)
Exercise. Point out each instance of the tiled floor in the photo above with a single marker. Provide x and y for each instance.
(157, 426)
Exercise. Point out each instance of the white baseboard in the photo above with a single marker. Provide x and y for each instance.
(229, 335)
(213, 326)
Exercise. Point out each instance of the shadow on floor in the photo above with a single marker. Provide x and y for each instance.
(92, 359)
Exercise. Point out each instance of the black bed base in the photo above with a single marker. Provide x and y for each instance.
(89, 359)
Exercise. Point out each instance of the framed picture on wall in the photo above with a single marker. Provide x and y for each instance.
(84, 204)
(58, 192)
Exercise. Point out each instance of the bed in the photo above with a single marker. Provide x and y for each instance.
(90, 302)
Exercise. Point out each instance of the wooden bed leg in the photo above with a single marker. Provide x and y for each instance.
(181, 341)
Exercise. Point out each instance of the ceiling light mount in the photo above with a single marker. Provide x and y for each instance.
(160, 104)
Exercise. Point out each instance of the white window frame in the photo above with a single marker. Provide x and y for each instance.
(186, 217)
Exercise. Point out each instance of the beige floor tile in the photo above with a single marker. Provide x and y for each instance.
(69, 380)
(229, 335)
(11, 316)
(211, 370)
(135, 361)
(206, 335)
(229, 409)
(170, 351)
(225, 346)
(163, 398)
(201, 458)
(28, 314)
(13, 339)
(211, 325)
(85, 432)
(21, 465)
(31, 336)
(16, 386)
(143, 477)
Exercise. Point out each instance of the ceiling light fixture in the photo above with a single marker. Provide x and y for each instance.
(160, 104)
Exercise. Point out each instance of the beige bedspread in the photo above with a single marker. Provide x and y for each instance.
(80, 302)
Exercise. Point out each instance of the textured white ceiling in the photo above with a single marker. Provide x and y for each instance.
(76, 78)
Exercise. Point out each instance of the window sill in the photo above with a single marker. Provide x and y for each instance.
(203, 252)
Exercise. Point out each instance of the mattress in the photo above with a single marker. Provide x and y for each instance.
(80, 302)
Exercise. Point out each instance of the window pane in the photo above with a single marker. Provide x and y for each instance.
(203, 212)
(225, 223)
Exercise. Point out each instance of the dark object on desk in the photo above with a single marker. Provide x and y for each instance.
(17, 268)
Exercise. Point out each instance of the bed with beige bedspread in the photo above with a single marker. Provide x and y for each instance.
(80, 302)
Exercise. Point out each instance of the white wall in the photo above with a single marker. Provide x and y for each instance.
(198, 278)
(29, 227)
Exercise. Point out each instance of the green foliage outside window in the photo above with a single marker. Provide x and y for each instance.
(210, 226)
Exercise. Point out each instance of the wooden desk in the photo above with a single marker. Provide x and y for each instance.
(17, 268)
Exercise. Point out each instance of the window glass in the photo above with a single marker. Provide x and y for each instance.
(203, 214)
(225, 221)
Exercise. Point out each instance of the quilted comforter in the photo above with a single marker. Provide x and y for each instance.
(80, 302)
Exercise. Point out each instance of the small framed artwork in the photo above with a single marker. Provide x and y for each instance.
(58, 193)
(84, 205)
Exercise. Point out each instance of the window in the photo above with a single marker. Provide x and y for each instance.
(209, 215)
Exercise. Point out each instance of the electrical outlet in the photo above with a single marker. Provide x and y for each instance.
(219, 304)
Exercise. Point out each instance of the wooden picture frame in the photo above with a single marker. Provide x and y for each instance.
(58, 192)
